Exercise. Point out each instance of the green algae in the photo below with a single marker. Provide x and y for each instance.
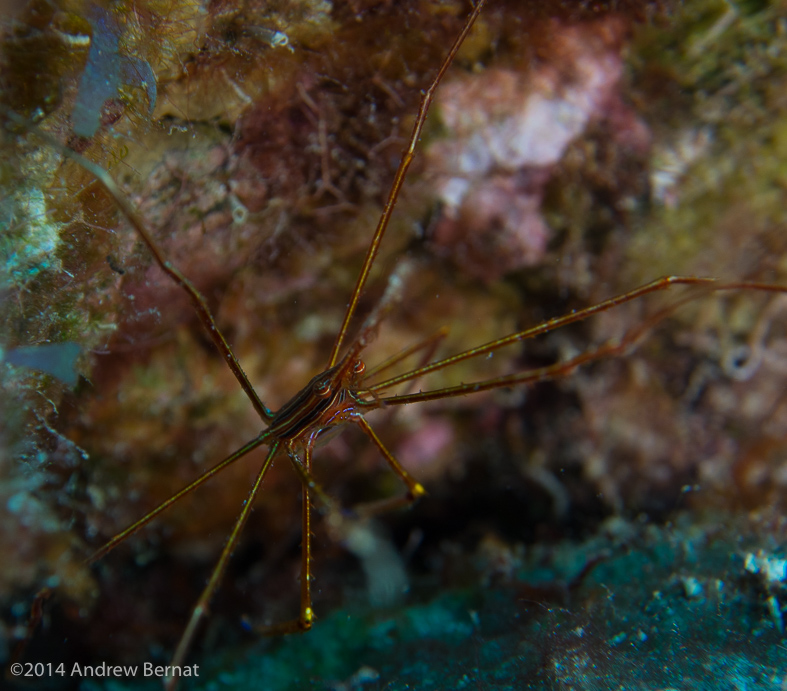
(713, 84)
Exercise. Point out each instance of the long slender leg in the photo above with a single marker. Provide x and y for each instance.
(136, 220)
(307, 479)
(306, 615)
(201, 608)
(660, 284)
(706, 285)
(309, 486)
(415, 489)
(401, 172)
(428, 345)
(561, 369)
(207, 475)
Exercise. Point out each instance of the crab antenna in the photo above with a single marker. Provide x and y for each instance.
(401, 172)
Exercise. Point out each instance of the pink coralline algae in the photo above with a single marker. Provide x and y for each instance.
(507, 131)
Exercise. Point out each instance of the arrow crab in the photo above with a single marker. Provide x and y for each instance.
(263, 200)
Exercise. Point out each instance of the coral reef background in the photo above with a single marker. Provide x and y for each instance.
(574, 151)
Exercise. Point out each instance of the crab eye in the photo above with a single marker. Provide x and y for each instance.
(323, 389)
(359, 367)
